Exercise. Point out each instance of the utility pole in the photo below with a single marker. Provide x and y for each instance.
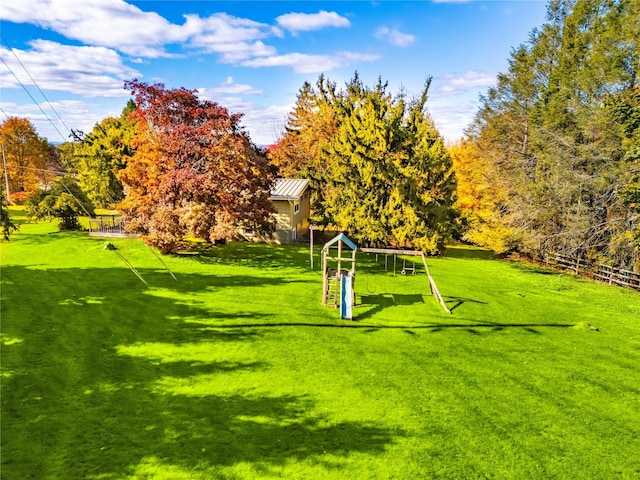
(6, 177)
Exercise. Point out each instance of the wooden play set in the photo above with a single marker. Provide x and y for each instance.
(339, 273)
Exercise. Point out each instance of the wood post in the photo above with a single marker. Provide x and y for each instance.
(324, 279)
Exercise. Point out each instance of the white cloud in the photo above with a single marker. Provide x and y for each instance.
(395, 37)
(238, 51)
(305, 63)
(84, 71)
(454, 100)
(277, 32)
(452, 118)
(125, 27)
(298, 22)
(221, 28)
(109, 23)
(229, 87)
(453, 84)
(265, 123)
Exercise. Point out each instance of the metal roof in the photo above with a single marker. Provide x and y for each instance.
(288, 188)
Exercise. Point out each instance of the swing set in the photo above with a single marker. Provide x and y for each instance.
(111, 247)
(338, 283)
(409, 267)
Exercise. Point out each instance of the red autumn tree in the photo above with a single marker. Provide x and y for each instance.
(195, 171)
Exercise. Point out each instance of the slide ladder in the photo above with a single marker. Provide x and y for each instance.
(333, 288)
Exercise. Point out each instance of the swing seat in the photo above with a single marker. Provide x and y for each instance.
(406, 269)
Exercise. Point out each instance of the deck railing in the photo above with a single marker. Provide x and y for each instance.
(105, 227)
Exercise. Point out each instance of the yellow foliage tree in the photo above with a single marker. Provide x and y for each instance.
(481, 199)
(26, 155)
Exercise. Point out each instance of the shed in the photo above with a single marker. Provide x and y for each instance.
(290, 197)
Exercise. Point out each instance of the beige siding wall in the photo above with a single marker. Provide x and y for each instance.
(284, 209)
(283, 214)
(301, 218)
(287, 219)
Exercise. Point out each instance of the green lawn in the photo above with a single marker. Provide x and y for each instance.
(235, 370)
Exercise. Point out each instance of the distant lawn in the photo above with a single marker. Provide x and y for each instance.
(236, 371)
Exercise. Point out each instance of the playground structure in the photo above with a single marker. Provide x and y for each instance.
(406, 269)
(111, 247)
(338, 284)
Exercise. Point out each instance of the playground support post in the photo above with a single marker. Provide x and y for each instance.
(434, 288)
(416, 253)
(162, 262)
(311, 245)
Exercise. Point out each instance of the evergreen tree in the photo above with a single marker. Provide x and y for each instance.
(309, 129)
(98, 157)
(359, 181)
(7, 225)
(377, 166)
(65, 201)
(549, 140)
(420, 209)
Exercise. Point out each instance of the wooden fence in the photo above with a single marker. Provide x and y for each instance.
(597, 271)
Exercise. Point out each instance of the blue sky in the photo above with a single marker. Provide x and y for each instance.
(250, 56)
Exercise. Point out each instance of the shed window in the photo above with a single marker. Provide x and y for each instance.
(296, 207)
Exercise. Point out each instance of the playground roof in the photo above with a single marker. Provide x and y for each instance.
(344, 239)
(288, 188)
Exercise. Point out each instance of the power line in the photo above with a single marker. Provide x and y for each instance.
(45, 170)
(35, 83)
(4, 113)
(79, 203)
(33, 99)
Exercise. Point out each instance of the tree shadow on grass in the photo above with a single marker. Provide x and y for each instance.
(49, 237)
(533, 268)
(256, 255)
(104, 378)
(433, 327)
(469, 252)
(201, 432)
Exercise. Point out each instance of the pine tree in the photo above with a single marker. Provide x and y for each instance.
(389, 176)
(421, 204)
(546, 135)
(65, 201)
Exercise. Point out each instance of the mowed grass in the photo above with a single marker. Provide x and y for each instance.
(235, 370)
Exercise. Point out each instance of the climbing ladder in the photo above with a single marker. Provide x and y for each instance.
(332, 293)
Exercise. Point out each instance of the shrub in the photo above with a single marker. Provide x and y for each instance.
(18, 198)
